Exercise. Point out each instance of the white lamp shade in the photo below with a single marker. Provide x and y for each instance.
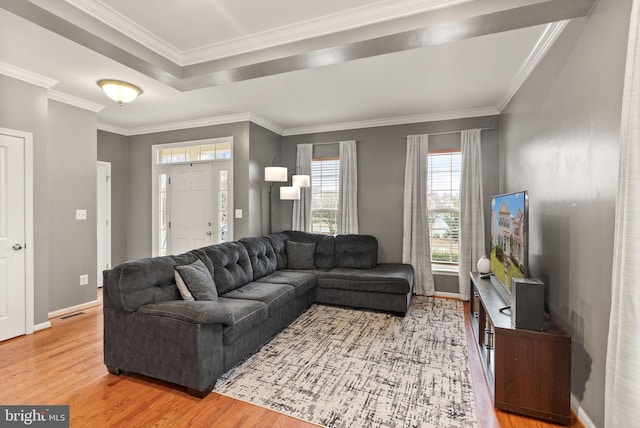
(484, 265)
(289, 193)
(301, 180)
(120, 92)
(275, 173)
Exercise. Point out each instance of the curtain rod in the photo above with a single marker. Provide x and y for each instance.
(455, 132)
(324, 144)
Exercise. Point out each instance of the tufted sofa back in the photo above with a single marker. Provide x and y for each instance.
(229, 264)
(232, 264)
(262, 256)
(140, 282)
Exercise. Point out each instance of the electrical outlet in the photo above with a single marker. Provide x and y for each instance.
(84, 279)
(81, 214)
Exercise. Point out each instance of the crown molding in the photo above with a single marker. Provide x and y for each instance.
(175, 126)
(315, 27)
(249, 117)
(54, 95)
(113, 129)
(258, 120)
(26, 76)
(105, 14)
(547, 39)
(401, 120)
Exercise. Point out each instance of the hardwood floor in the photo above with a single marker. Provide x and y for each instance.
(63, 365)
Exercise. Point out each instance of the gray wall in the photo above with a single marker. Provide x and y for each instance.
(139, 238)
(72, 185)
(23, 107)
(64, 151)
(114, 148)
(381, 164)
(560, 141)
(264, 146)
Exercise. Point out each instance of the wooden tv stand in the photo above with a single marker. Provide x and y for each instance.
(528, 372)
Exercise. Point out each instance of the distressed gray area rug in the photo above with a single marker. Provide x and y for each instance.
(347, 368)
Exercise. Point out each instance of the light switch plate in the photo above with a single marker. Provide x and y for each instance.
(238, 212)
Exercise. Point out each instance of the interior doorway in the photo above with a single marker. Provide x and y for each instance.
(103, 218)
(16, 234)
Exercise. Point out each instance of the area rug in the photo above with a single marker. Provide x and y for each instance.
(340, 367)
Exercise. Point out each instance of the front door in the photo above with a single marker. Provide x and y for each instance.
(12, 238)
(191, 206)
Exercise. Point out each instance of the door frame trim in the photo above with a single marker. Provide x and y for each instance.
(154, 180)
(108, 203)
(27, 138)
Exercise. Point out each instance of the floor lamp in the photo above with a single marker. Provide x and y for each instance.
(274, 174)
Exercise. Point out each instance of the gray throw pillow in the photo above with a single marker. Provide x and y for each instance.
(197, 280)
(301, 255)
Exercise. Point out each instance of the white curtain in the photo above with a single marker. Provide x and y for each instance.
(415, 238)
(471, 210)
(301, 216)
(622, 385)
(348, 201)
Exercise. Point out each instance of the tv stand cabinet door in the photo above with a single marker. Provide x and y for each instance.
(533, 374)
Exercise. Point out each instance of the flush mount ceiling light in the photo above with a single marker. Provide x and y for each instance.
(119, 91)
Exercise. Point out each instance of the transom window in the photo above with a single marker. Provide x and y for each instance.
(443, 196)
(193, 153)
(325, 182)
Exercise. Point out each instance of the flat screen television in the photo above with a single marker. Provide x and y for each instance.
(509, 240)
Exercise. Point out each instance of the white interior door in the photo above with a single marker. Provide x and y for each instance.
(13, 319)
(103, 192)
(191, 206)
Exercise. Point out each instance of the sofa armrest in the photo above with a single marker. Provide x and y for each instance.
(198, 312)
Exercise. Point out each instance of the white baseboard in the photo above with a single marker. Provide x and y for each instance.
(448, 295)
(72, 309)
(41, 326)
(582, 416)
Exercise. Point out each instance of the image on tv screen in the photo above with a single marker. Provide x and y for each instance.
(508, 237)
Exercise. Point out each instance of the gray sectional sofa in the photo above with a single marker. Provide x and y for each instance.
(262, 285)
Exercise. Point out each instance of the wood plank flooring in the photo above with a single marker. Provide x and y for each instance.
(63, 365)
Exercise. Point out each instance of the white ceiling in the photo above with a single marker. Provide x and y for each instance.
(468, 76)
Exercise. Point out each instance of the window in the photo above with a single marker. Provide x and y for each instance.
(325, 181)
(197, 152)
(443, 196)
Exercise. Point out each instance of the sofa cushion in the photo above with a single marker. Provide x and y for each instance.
(278, 242)
(300, 281)
(248, 314)
(262, 256)
(356, 251)
(195, 282)
(229, 265)
(324, 258)
(203, 312)
(301, 255)
(273, 295)
(393, 278)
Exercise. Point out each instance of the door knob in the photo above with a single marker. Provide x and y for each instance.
(17, 247)
(209, 233)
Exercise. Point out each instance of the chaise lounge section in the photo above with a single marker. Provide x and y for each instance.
(262, 285)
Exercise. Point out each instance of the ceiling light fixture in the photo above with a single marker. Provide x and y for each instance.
(119, 91)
